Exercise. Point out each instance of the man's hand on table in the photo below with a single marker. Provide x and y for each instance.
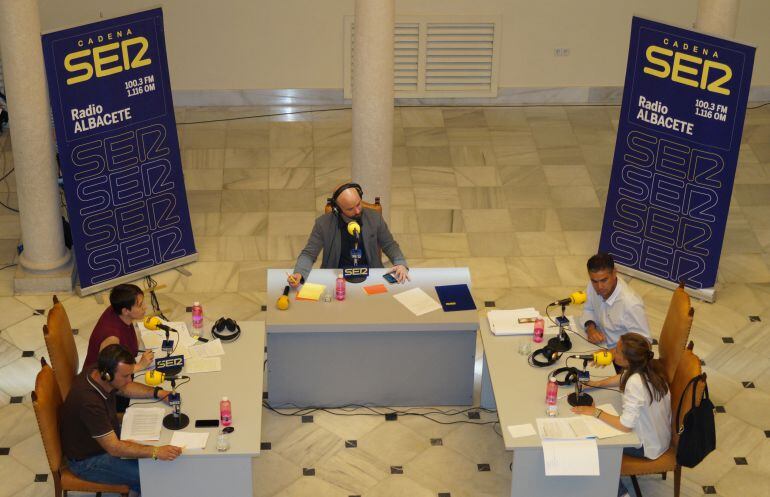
(401, 273)
(168, 452)
(593, 334)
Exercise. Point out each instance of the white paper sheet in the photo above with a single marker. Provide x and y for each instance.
(202, 365)
(506, 322)
(152, 339)
(142, 423)
(417, 301)
(572, 428)
(189, 439)
(519, 431)
(210, 349)
(599, 428)
(571, 457)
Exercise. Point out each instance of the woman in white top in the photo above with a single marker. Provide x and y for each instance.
(646, 399)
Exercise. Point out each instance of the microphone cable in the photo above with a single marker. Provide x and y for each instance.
(155, 401)
(569, 329)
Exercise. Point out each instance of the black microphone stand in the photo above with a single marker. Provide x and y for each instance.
(176, 420)
(578, 397)
(561, 342)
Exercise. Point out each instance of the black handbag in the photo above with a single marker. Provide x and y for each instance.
(697, 433)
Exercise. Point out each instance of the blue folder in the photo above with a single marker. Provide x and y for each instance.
(455, 298)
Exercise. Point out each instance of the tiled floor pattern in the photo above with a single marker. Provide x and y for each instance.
(515, 194)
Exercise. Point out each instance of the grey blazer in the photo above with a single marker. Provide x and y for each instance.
(326, 236)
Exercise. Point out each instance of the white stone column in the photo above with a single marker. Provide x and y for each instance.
(45, 264)
(717, 17)
(372, 152)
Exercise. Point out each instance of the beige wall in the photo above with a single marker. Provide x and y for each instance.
(268, 44)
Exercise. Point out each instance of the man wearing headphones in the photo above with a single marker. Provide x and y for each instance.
(89, 425)
(330, 234)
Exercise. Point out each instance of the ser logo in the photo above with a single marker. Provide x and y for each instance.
(170, 362)
(687, 69)
(356, 271)
(106, 60)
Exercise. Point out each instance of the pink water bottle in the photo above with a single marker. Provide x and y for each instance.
(197, 318)
(551, 396)
(537, 336)
(225, 412)
(339, 288)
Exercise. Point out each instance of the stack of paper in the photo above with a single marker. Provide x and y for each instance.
(310, 291)
(375, 289)
(210, 349)
(417, 301)
(189, 439)
(202, 365)
(152, 339)
(599, 428)
(571, 457)
(506, 322)
(568, 447)
(142, 423)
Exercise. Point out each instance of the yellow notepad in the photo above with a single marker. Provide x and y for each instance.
(310, 291)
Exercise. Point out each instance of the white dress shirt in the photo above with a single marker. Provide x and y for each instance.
(650, 422)
(623, 312)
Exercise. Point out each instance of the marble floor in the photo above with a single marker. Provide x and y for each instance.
(515, 194)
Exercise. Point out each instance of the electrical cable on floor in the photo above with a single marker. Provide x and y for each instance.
(511, 106)
(305, 411)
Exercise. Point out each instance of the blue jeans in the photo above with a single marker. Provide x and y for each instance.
(105, 468)
(634, 452)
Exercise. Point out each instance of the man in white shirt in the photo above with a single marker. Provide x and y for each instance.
(612, 308)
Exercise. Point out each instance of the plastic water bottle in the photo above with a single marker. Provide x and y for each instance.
(339, 288)
(551, 396)
(197, 319)
(225, 412)
(537, 336)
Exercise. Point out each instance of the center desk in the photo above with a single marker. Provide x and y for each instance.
(369, 349)
(518, 390)
(207, 472)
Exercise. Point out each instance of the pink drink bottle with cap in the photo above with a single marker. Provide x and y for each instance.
(551, 396)
(197, 318)
(537, 335)
(339, 288)
(225, 412)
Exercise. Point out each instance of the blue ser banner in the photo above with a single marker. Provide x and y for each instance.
(118, 148)
(679, 133)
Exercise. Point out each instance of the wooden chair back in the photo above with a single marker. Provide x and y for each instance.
(60, 343)
(675, 331)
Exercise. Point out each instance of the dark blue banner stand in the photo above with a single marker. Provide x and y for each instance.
(118, 148)
(679, 134)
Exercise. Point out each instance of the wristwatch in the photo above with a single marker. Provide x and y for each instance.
(155, 392)
(597, 413)
(154, 453)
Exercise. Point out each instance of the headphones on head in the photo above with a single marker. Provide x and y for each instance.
(226, 329)
(550, 357)
(108, 360)
(338, 192)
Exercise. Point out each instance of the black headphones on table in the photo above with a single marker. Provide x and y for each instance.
(569, 379)
(550, 357)
(338, 192)
(226, 329)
